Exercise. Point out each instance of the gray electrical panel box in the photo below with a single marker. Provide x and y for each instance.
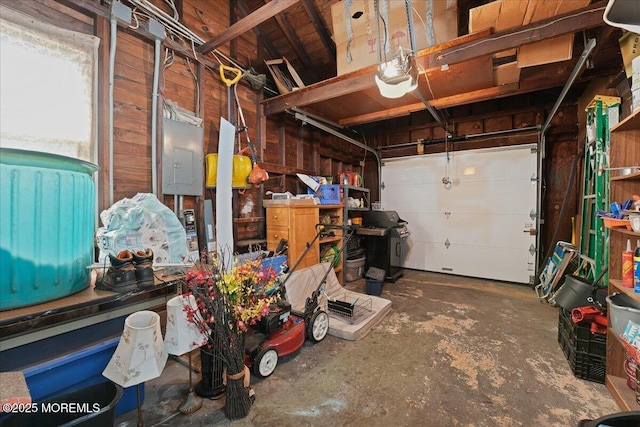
(182, 158)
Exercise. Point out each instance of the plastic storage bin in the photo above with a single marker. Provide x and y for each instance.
(47, 225)
(353, 268)
(79, 369)
(622, 308)
(329, 194)
(94, 406)
(373, 281)
(278, 263)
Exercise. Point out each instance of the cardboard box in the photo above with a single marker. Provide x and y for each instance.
(629, 48)
(505, 74)
(363, 48)
(546, 51)
(502, 15)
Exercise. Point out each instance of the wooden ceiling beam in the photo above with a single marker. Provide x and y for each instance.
(458, 50)
(546, 77)
(322, 91)
(247, 23)
(572, 22)
(88, 7)
(321, 29)
(344, 84)
(294, 41)
(448, 101)
(271, 49)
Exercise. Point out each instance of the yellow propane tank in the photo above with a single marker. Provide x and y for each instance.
(241, 169)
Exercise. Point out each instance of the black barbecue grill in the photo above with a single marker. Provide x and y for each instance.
(384, 235)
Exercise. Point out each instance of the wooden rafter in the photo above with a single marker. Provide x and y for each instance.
(294, 41)
(458, 50)
(547, 77)
(321, 28)
(247, 23)
(87, 6)
(271, 49)
(572, 22)
(345, 84)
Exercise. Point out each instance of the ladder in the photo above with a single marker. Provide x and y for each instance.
(594, 235)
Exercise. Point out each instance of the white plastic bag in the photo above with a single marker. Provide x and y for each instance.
(140, 223)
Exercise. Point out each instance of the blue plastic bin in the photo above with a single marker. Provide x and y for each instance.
(79, 369)
(329, 194)
(278, 263)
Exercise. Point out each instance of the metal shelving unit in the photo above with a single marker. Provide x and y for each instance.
(350, 213)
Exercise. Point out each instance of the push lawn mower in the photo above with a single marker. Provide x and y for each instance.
(284, 330)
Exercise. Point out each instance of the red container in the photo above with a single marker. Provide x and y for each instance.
(627, 266)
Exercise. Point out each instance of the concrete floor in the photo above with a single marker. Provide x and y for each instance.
(453, 351)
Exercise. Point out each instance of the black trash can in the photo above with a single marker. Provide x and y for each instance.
(91, 406)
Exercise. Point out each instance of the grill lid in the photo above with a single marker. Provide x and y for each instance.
(386, 219)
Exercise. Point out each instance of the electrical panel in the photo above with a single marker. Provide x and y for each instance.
(182, 158)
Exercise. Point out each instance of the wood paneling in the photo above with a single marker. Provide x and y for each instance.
(54, 13)
(287, 147)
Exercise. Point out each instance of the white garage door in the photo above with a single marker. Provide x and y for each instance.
(478, 226)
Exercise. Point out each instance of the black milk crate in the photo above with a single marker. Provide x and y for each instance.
(585, 351)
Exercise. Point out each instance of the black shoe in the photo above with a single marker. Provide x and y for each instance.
(121, 275)
(143, 263)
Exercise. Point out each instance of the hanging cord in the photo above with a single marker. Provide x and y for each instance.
(195, 80)
(380, 17)
(384, 10)
(412, 36)
(241, 115)
(172, 5)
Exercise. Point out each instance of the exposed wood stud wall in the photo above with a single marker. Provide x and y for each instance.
(102, 31)
(284, 146)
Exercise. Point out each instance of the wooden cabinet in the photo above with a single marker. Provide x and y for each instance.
(297, 224)
(624, 151)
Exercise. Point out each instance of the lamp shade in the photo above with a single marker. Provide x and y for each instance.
(182, 336)
(140, 355)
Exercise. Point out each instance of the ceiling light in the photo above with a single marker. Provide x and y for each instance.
(470, 170)
(397, 76)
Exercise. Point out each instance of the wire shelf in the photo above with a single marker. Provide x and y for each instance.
(349, 306)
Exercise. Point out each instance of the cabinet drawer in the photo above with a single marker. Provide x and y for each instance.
(274, 234)
(278, 216)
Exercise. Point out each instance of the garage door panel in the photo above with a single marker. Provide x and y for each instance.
(488, 230)
(464, 196)
(484, 216)
(461, 227)
(471, 260)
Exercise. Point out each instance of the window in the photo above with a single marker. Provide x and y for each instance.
(47, 87)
